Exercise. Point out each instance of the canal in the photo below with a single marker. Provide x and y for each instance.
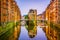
(24, 34)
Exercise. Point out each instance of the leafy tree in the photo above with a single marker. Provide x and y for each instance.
(26, 16)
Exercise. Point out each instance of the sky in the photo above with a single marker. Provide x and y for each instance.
(26, 5)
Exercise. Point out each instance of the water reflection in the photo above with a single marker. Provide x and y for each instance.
(25, 36)
(32, 29)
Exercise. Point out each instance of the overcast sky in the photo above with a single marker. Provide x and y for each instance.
(26, 5)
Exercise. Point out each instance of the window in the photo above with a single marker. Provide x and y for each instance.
(6, 0)
(4, 14)
(58, 0)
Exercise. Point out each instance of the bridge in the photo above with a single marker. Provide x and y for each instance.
(47, 23)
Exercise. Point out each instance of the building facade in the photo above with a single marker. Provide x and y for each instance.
(9, 11)
(40, 19)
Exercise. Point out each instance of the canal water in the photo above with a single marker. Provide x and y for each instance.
(24, 34)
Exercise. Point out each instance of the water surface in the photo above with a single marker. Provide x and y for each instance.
(24, 34)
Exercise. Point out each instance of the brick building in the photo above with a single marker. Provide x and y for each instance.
(9, 11)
